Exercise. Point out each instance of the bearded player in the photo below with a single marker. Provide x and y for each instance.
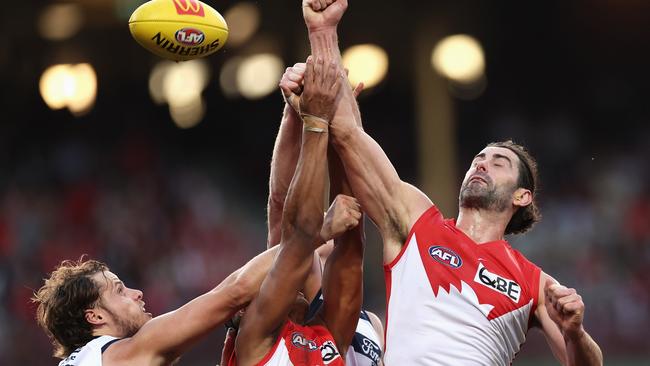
(458, 294)
(272, 330)
(94, 319)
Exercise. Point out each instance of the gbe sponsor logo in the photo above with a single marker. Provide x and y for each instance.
(445, 256)
(329, 352)
(497, 283)
(299, 340)
(189, 36)
(189, 7)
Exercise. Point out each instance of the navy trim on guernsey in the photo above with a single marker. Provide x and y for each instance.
(366, 347)
(104, 347)
(364, 316)
(362, 345)
(315, 305)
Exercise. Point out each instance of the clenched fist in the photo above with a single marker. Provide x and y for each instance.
(565, 307)
(291, 84)
(343, 215)
(321, 14)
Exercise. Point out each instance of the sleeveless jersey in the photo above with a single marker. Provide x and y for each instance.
(90, 354)
(364, 349)
(299, 345)
(451, 301)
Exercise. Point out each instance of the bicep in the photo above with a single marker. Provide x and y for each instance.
(548, 327)
(171, 334)
(390, 202)
(204, 313)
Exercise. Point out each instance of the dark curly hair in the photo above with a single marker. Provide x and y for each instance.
(525, 217)
(63, 300)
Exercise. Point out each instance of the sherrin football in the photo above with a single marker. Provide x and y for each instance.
(178, 30)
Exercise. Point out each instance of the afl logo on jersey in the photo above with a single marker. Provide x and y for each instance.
(445, 256)
(299, 340)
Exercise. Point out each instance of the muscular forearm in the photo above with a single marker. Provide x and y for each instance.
(283, 165)
(583, 350)
(325, 43)
(303, 209)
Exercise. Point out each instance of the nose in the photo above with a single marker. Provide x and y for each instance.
(138, 294)
(481, 166)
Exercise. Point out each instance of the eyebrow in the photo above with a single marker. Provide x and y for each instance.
(499, 156)
(496, 156)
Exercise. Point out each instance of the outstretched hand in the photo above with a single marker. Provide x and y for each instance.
(322, 14)
(322, 82)
(565, 308)
(344, 214)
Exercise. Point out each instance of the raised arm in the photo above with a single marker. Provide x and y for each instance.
(285, 152)
(392, 204)
(302, 218)
(195, 319)
(559, 313)
(343, 275)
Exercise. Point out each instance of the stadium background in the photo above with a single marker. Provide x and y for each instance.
(174, 210)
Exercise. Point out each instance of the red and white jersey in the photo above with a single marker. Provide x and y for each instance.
(299, 345)
(452, 301)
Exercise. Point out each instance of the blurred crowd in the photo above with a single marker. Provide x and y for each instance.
(175, 229)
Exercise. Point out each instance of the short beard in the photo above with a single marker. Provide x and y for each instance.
(488, 198)
(126, 327)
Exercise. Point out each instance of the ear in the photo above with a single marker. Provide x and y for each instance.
(95, 316)
(522, 197)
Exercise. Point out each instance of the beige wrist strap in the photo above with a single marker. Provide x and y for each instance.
(313, 123)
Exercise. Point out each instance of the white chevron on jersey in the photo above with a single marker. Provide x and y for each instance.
(280, 356)
(451, 328)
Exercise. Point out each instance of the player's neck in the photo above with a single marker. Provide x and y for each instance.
(105, 330)
(482, 226)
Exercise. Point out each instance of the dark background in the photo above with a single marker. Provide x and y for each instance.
(174, 211)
